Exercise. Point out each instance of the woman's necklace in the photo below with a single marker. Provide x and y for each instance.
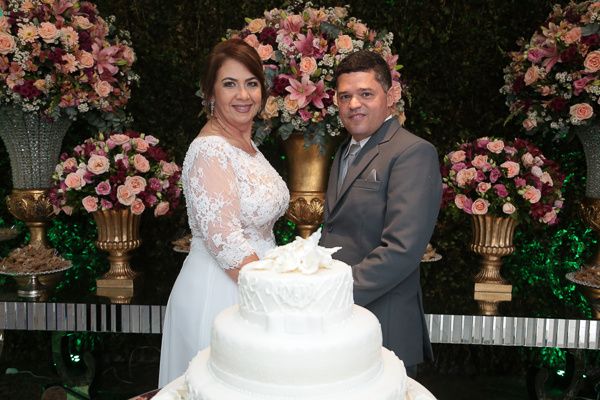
(237, 141)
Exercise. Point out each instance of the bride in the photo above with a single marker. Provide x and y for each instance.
(233, 197)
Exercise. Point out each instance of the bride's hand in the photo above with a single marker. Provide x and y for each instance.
(235, 272)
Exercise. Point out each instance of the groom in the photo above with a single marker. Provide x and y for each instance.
(382, 203)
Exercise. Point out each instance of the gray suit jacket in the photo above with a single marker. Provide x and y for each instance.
(383, 221)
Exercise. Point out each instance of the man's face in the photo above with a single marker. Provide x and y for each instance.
(363, 103)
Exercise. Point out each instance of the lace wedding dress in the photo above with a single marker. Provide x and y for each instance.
(233, 199)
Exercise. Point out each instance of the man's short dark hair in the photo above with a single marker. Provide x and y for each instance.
(364, 61)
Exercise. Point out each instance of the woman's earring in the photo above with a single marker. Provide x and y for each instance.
(212, 107)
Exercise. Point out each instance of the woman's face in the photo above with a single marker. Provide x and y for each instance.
(237, 94)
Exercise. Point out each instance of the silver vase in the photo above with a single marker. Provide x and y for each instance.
(33, 145)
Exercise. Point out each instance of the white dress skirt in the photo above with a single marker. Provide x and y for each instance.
(233, 200)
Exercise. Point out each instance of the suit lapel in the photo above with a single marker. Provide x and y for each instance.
(364, 158)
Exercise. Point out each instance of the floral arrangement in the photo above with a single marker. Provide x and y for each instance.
(490, 176)
(61, 58)
(300, 51)
(116, 172)
(553, 81)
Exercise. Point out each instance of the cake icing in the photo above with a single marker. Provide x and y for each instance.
(296, 334)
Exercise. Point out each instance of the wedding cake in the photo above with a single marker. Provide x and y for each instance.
(296, 334)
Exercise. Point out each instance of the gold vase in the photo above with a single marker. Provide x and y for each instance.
(308, 173)
(590, 213)
(118, 234)
(33, 207)
(492, 240)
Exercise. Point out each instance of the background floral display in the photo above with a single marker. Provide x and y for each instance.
(553, 80)
(61, 57)
(490, 176)
(300, 51)
(122, 170)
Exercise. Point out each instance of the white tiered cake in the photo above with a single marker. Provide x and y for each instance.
(296, 334)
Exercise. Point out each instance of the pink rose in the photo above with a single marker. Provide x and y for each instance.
(495, 174)
(265, 51)
(508, 208)
(90, 203)
(520, 182)
(82, 22)
(151, 140)
(74, 181)
(512, 168)
(98, 164)
(580, 84)
(70, 164)
(558, 204)
(125, 195)
(483, 187)
(500, 190)
(465, 176)
(344, 44)
(581, 111)
(7, 43)
(141, 163)
(85, 59)
(458, 166)
(103, 88)
(252, 40)
(547, 179)
(592, 61)
(536, 171)
(161, 209)
(360, 30)
(103, 188)
(48, 32)
(67, 210)
(119, 139)
(169, 168)
(535, 56)
(480, 207)
(532, 194)
(123, 159)
(459, 201)
(105, 204)
(155, 184)
(257, 25)
(290, 105)
(137, 207)
(495, 146)
(531, 75)
(308, 65)
(529, 124)
(550, 217)
(128, 55)
(457, 156)
(396, 91)
(481, 162)
(572, 36)
(140, 145)
(527, 159)
(137, 184)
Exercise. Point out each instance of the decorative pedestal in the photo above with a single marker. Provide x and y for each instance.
(33, 145)
(118, 234)
(307, 180)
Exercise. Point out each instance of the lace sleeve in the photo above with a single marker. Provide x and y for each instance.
(214, 207)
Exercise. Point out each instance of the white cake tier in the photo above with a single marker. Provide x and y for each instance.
(390, 383)
(293, 302)
(254, 360)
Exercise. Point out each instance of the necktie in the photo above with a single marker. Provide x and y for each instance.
(346, 161)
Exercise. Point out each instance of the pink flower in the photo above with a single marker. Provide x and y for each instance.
(265, 51)
(458, 166)
(512, 168)
(105, 204)
(90, 203)
(125, 195)
(480, 161)
(168, 168)
(74, 181)
(535, 55)
(155, 184)
(70, 164)
(529, 124)
(151, 140)
(547, 179)
(344, 44)
(527, 160)
(592, 61)
(85, 59)
(572, 36)
(465, 176)
(257, 25)
(105, 58)
(520, 182)
(550, 217)
(483, 187)
(141, 163)
(457, 156)
(103, 188)
(532, 75)
(308, 65)
(140, 145)
(508, 208)
(532, 194)
(319, 94)
(119, 139)
(137, 207)
(137, 184)
(304, 44)
(305, 115)
(48, 32)
(98, 164)
(495, 146)
(581, 111)
(580, 84)
(161, 209)
(7, 43)
(480, 207)
(500, 190)
(292, 23)
(103, 88)
(300, 91)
